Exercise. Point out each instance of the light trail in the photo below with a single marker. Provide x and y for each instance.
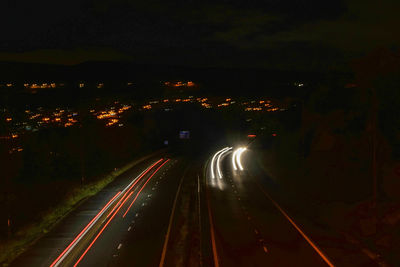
(132, 184)
(234, 159)
(133, 201)
(105, 226)
(65, 253)
(218, 161)
(238, 157)
(60, 258)
(213, 160)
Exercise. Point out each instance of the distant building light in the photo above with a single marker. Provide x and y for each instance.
(251, 135)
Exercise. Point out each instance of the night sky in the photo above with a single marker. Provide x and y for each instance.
(278, 34)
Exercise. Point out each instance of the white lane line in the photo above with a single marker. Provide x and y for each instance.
(119, 246)
(265, 249)
(129, 228)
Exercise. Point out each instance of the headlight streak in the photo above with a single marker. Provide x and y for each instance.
(234, 159)
(238, 157)
(218, 161)
(213, 160)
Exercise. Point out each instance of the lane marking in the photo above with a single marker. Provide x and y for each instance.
(170, 224)
(119, 246)
(312, 244)
(129, 228)
(265, 249)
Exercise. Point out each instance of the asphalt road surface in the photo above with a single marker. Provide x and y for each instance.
(193, 211)
(248, 229)
(95, 233)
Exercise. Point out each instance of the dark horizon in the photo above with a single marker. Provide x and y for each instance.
(292, 35)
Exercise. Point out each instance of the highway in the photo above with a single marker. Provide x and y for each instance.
(95, 233)
(192, 210)
(247, 228)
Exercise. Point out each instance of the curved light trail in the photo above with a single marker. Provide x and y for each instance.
(218, 161)
(213, 160)
(111, 218)
(122, 196)
(234, 159)
(238, 157)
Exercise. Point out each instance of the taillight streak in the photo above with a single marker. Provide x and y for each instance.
(77, 238)
(132, 184)
(123, 199)
(133, 201)
(112, 217)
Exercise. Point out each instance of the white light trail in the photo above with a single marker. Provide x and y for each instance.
(234, 159)
(218, 160)
(213, 160)
(238, 157)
